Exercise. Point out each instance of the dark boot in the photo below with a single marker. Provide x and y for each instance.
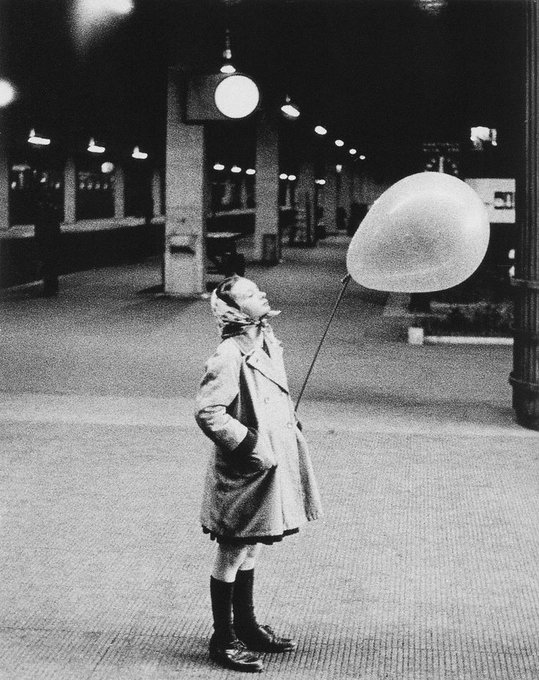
(225, 648)
(257, 637)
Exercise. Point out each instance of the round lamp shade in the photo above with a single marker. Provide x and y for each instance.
(236, 96)
(427, 232)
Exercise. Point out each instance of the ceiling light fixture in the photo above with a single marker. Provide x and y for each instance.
(37, 140)
(236, 96)
(227, 67)
(95, 148)
(137, 153)
(289, 109)
(320, 130)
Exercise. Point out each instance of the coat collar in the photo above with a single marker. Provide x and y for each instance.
(271, 366)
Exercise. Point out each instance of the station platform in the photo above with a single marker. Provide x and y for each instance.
(424, 567)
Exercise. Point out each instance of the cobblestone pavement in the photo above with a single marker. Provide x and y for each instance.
(425, 566)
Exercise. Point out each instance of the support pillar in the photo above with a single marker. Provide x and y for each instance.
(70, 188)
(156, 193)
(186, 199)
(267, 242)
(4, 181)
(331, 205)
(344, 196)
(119, 193)
(305, 199)
(525, 375)
(353, 181)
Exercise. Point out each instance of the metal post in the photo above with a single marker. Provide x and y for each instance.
(525, 375)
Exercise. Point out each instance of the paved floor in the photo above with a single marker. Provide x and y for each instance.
(424, 567)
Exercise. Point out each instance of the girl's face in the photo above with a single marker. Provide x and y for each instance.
(250, 299)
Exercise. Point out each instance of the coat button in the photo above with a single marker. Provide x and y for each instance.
(289, 425)
(266, 400)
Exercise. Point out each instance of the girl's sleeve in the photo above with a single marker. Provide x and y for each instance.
(218, 389)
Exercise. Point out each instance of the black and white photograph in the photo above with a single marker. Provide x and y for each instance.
(269, 339)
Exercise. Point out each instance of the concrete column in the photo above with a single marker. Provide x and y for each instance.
(525, 375)
(351, 183)
(156, 193)
(119, 193)
(4, 183)
(267, 243)
(186, 199)
(70, 190)
(344, 196)
(331, 204)
(305, 197)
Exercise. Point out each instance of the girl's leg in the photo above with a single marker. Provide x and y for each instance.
(247, 628)
(228, 560)
(224, 645)
(251, 556)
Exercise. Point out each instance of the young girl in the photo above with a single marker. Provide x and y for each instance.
(259, 484)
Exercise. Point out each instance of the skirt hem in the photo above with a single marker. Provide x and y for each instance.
(248, 540)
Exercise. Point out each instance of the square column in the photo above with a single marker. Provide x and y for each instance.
(346, 189)
(156, 193)
(186, 199)
(119, 193)
(4, 182)
(305, 203)
(332, 197)
(70, 184)
(267, 241)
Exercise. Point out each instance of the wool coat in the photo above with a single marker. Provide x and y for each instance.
(259, 480)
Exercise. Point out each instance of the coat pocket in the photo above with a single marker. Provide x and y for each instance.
(254, 454)
(262, 458)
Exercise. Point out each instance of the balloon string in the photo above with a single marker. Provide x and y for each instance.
(344, 283)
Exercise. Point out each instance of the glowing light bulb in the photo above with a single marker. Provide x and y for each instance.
(236, 96)
(7, 92)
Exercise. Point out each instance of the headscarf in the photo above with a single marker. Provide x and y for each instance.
(232, 321)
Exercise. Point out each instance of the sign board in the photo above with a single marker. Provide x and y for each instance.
(498, 195)
(200, 101)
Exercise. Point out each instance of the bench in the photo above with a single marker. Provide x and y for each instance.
(222, 253)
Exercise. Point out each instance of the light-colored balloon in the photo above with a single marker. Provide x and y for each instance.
(427, 232)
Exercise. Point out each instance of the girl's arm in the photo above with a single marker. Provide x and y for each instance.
(218, 389)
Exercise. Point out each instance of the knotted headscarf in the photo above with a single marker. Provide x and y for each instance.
(232, 321)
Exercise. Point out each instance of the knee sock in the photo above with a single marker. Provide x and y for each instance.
(221, 603)
(244, 611)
